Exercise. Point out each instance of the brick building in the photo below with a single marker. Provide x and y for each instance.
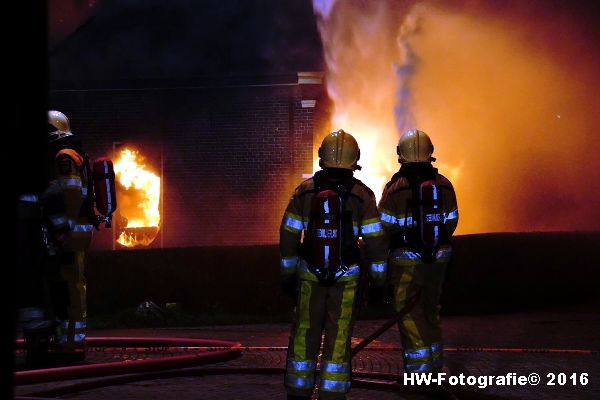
(231, 139)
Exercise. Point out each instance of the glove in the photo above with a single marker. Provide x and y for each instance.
(289, 286)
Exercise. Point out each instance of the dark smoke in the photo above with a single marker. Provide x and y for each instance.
(155, 39)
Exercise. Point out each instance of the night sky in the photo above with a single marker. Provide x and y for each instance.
(153, 39)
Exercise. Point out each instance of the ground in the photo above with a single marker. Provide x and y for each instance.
(469, 341)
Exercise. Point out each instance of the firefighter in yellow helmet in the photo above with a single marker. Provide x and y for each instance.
(67, 205)
(330, 211)
(419, 212)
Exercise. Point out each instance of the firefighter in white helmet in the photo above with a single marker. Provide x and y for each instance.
(330, 211)
(419, 212)
(69, 210)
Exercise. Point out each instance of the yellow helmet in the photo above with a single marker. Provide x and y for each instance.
(415, 146)
(339, 150)
(58, 126)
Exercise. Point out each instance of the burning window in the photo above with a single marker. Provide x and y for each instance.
(138, 196)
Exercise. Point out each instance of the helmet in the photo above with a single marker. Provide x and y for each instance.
(58, 126)
(339, 150)
(415, 146)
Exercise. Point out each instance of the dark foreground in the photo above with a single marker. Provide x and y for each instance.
(573, 327)
(499, 272)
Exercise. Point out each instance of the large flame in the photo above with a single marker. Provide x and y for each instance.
(507, 99)
(367, 80)
(138, 199)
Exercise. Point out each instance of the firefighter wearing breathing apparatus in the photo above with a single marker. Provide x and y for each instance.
(419, 212)
(330, 211)
(68, 209)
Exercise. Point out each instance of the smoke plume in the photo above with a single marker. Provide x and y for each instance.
(505, 90)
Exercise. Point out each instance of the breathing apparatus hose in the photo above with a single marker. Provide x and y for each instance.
(410, 303)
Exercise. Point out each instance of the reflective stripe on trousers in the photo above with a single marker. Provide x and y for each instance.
(379, 267)
(424, 353)
(335, 386)
(77, 338)
(419, 368)
(288, 264)
(335, 377)
(72, 331)
(437, 354)
(74, 324)
(315, 302)
(300, 374)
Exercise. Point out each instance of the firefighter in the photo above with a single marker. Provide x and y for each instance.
(68, 208)
(330, 211)
(419, 212)
(34, 316)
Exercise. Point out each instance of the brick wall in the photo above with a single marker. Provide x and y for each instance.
(230, 155)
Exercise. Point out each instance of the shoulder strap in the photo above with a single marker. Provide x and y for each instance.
(343, 187)
(393, 179)
(77, 158)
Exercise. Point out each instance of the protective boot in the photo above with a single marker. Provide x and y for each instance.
(38, 333)
(69, 346)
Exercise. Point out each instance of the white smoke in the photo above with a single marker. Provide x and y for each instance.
(369, 64)
(323, 7)
(405, 70)
(487, 84)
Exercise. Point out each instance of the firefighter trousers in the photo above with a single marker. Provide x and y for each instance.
(420, 329)
(329, 311)
(69, 300)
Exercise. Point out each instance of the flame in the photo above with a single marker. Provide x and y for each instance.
(132, 237)
(139, 199)
(507, 103)
(377, 168)
(367, 80)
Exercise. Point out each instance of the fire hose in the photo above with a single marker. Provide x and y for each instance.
(367, 380)
(210, 351)
(228, 351)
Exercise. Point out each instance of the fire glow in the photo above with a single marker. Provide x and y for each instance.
(138, 198)
(367, 80)
(505, 98)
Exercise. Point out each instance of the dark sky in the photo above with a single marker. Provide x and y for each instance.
(158, 39)
(171, 39)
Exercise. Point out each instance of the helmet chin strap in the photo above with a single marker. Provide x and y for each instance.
(58, 135)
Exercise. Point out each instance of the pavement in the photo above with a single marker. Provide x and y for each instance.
(474, 347)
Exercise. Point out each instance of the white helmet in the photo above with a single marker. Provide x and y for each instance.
(415, 146)
(58, 126)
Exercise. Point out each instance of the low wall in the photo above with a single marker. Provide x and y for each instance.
(491, 272)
